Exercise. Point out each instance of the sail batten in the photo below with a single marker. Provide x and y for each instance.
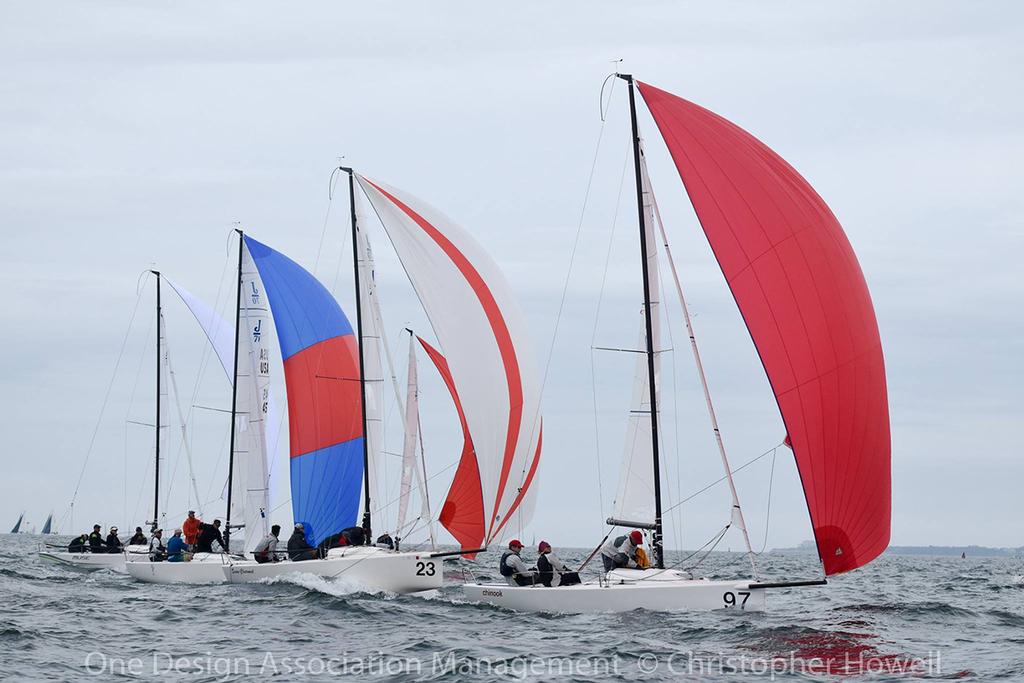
(803, 297)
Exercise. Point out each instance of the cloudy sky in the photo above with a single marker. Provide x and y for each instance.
(135, 134)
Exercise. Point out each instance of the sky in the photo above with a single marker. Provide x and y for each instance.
(138, 135)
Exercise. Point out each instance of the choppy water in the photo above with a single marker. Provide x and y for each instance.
(902, 617)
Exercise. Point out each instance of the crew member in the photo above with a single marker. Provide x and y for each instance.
(190, 528)
(96, 544)
(79, 544)
(157, 551)
(551, 571)
(513, 568)
(298, 549)
(139, 538)
(621, 551)
(208, 535)
(266, 550)
(113, 542)
(176, 547)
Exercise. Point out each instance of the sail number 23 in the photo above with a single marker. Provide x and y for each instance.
(424, 569)
(730, 598)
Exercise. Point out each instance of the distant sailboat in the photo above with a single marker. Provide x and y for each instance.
(17, 525)
(800, 289)
(47, 525)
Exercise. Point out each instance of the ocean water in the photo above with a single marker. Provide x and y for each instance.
(900, 618)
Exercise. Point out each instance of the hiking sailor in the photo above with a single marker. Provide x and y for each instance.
(513, 568)
(551, 571)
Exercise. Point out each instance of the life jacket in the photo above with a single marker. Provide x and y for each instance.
(641, 559)
(503, 565)
(545, 572)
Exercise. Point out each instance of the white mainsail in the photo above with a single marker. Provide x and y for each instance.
(374, 373)
(250, 497)
(634, 498)
(163, 416)
(253, 386)
(182, 426)
(483, 335)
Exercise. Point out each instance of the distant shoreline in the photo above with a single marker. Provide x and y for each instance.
(807, 547)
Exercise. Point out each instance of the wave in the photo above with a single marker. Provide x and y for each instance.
(337, 587)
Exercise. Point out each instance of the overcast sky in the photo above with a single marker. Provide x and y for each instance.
(137, 134)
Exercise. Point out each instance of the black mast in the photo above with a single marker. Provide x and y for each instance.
(659, 556)
(362, 368)
(159, 351)
(234, 389)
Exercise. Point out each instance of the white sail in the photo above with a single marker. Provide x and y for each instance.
(182, 426)
(374, 373)
(250, 496)
(164, 416)
(634, 498)
(221, 335)
(411, 440)
(483, 335)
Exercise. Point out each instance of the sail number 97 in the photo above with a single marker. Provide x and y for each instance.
(425, 569)
(730, 598)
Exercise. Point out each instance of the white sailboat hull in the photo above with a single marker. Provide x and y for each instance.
(375, 568)
(625, 590)
(202, 569)
(86, 561)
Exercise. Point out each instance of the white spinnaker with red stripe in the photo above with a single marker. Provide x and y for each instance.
(482, 333)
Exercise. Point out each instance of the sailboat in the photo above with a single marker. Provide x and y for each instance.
(17, 525)
(247, 487)
(802, 295)
(116, 561)
(47, 525)
(471, 310)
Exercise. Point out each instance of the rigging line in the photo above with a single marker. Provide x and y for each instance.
(593, 334)
(710, 550)
(721, 479)
(768, 513)
(106, 398)
(663, 306)
(331, 185)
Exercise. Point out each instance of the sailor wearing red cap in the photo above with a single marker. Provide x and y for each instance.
(621, 551)
(513, 568)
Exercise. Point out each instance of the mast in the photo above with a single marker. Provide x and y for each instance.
(159, 367)
(234, 387)
(362, 365)
(656, 543)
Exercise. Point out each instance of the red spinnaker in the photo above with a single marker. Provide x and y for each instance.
(803, 296)
(463, 511)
